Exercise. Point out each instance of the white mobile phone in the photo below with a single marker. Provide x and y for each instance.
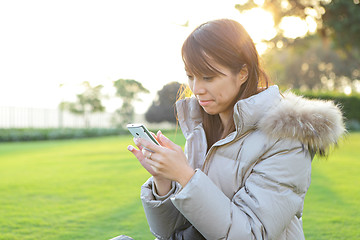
(140, 131)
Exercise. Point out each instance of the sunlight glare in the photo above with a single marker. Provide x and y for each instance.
(261, 47)
(293, 27)
(259, 2)
(347, 90)
(285, 5)
(279, 44)
(127, 39)
(311, 12)
(356, 84)
(259, 24)
(311, 24)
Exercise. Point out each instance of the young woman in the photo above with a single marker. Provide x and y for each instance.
(247, 161)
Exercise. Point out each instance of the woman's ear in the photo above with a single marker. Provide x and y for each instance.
(242, 76)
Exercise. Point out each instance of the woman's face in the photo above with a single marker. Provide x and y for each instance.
(217, 93)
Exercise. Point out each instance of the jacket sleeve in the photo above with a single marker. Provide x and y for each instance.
(162, 216)
(271, 197)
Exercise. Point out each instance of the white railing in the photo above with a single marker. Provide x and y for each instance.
(26, 117)
(23, 117)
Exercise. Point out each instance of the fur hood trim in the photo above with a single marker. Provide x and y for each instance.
(316, 123)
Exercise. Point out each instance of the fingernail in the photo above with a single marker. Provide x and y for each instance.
(130, 148)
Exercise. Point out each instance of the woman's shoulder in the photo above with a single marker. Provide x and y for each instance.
(318, 124)
(188, 114)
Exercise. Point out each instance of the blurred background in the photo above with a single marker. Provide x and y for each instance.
(75, 69)
(80, 64)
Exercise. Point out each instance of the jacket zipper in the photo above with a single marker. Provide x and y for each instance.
(216, 145)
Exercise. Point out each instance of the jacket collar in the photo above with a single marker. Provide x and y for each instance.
(316, 123)
(246, 111)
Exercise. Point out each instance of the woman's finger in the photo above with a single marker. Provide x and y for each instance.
(138, 154)
(150, 146)
(142, 159)
(156, 137)
(167, 142)
(147, 153)
(153, 164)
(137, 144)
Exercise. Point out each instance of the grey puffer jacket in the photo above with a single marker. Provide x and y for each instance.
(252, 184)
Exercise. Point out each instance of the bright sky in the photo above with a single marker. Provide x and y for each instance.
(45, 43)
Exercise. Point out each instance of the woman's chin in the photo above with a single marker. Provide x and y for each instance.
(210, 111)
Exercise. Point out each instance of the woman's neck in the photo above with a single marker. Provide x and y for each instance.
(225, 118)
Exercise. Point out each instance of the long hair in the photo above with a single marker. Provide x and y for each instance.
(227, 43)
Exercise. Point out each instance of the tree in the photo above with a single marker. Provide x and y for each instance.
(163, 107)
(128, 90)
(335, 19)
(87, 102)
(335, 55)
(311, 9)
(342, 23)
(310, 65)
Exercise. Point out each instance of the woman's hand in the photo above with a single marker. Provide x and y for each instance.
(163, 185)
(167, 161)
(140, 156)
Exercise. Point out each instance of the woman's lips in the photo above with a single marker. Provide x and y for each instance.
(204, 103)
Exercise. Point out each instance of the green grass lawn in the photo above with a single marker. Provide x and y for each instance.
(332, 204)
(89, 189)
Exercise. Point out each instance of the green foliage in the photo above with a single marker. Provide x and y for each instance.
(342, 20)
(312, 65)
(329, 59)
(128, 90)
(286, 8)
(163, 107)
(34, 134)
(87, 102)
(281, 8)
(335, 18)
(337, 21)
(89, 189)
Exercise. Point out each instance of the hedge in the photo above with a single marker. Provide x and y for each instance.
(350, 106)
(33, 134)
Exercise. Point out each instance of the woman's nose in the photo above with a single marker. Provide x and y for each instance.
(198, 87)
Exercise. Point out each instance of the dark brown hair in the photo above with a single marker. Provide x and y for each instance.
(227, 43)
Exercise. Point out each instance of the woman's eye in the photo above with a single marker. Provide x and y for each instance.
(208, 78)
(190, 77)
